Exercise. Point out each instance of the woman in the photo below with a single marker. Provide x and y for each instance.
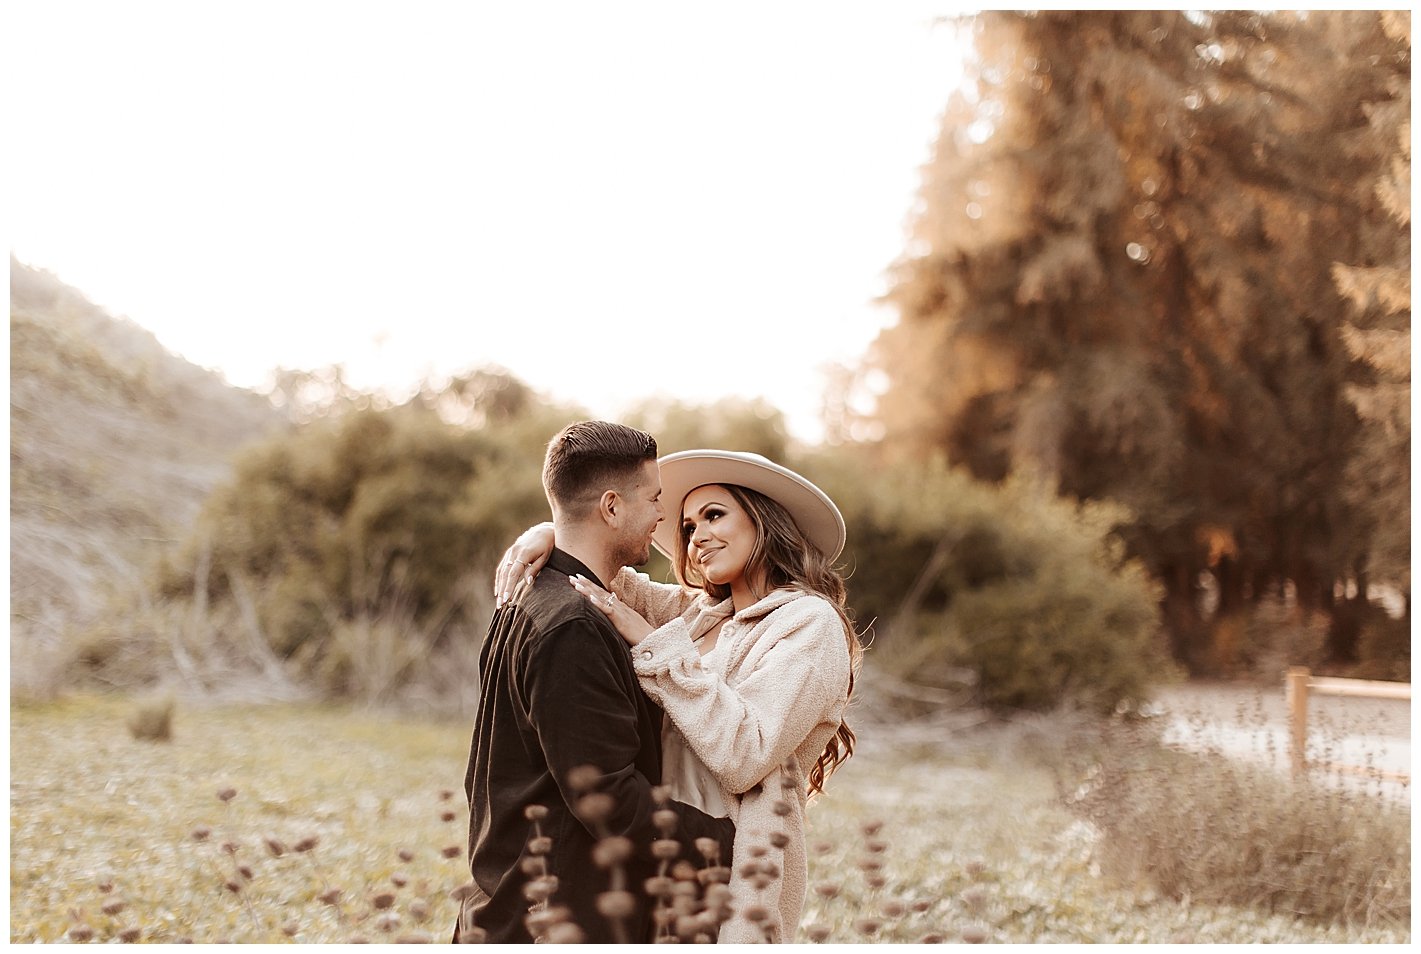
(752, 658)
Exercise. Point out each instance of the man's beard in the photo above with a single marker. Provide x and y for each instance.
(633, 553)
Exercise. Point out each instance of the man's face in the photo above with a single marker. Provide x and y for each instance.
(640, 512)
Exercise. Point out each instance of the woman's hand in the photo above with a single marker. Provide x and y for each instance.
(522, 561)
(629, 623)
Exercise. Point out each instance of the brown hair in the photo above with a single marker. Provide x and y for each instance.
(587, 457)
(786, 559)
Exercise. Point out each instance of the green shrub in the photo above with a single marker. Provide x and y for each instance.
(1030, 593)
(363, 542)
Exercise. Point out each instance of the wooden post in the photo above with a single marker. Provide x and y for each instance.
(1297, 696)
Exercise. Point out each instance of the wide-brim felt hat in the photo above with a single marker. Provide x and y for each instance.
(810, 508)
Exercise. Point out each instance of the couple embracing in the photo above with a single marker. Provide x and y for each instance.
(719, 698)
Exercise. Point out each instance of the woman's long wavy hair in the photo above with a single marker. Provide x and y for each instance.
(784, 558)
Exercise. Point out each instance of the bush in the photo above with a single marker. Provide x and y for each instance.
(1030, 593)
(1197, 826)
(359, 547)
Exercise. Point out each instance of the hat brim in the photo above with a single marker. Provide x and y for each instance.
(811, 509)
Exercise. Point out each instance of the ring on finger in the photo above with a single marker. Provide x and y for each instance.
(611, 598)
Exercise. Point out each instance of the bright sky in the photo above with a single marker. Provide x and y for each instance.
(610, 200)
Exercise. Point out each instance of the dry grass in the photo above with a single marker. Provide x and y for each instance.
(930, 836)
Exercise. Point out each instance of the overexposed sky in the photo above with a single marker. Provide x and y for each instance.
(611, 200)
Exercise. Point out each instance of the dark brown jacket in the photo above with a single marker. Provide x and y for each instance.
(557, 691)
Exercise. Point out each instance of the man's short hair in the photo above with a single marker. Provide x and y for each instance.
(590, 457)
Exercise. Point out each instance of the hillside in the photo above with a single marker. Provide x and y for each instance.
(114, 444)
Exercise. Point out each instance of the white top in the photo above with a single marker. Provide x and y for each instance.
(682, 770)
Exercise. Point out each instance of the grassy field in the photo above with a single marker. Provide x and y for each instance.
(115, 838)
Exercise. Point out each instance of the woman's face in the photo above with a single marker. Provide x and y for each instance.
(720, 534)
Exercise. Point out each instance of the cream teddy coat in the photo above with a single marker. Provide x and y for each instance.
(759, 719)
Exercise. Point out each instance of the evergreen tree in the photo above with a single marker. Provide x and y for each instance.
(1121, 278)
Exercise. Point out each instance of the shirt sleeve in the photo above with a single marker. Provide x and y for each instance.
(584, 713)
(744, 732)
(658, 603)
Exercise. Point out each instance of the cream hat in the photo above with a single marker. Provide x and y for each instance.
(813, 512)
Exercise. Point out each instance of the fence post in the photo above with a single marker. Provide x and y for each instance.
(1297, 696)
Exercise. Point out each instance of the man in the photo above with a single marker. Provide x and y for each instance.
(558, 693)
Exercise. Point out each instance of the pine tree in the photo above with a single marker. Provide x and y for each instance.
(1121, 278)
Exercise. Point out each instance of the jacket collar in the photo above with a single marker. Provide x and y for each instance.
(764, 607)
(567, 564)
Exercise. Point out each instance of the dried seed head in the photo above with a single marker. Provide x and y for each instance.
(231, 847)
(114, 906)
(779, 839)
(596, 807)
(383, 900)
(445, 794)
(823, 847)
(658, 887)
(540, 889)
(419, 910)
(291, 928)
(583, 778)
(330, 896)
(532, 867)
(404, 854)
(871, 827)
(665, 821)
(665, 848)
(274, 847)
(921, 905)
(616, 904)
(245, 871)
(893, 908)
(876, 846)
(612, 851)
(414, 937)
(388, 922)
(717, 874)
(781, 807)
(565, 933)
(307, 843)
(974, 934)
(233, 887)
(761, 881)
(540, 845)
(683, 870)
(446, 816)
(875, 879)
(227, 794)
(130, 934)
(399, 879)
(870, 864)
(81, 933)
(974, 898)
(687, 926)
(201, 833)
(757, 913)
(106, 884)
(933, 938)
(817, 932)
(827, 889)
(974, 867)
(535, 812)
(661, 794)
(709, 848)
(867, 926)
(758, 851)
(452, 851)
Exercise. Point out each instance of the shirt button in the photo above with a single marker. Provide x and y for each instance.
(646, 654)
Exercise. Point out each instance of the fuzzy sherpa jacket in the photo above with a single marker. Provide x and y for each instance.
(759, 720)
